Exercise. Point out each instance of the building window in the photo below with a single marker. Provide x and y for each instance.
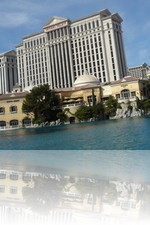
(97, 23)
(2, 110)
(2, 176)
(2, 188)
(133, 94)
(14, 123)
(13, 109)
(91, 99)
(14, 176)
(26, 178)
(125, 94)
(13, 190)
(117, 96)
(93, 24)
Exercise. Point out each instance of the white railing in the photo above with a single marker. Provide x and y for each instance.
(131, 98)
(72, 105)
(9, 127)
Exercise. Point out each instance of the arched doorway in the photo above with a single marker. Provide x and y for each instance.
(14, 123)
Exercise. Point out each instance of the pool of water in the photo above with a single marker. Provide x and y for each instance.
(131, 134)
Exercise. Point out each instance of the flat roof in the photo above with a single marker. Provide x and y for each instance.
(13, 95)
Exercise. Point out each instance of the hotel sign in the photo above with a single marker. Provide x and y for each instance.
(124, 85)
(56, 26)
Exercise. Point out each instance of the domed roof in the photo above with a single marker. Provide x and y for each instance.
(86, 79)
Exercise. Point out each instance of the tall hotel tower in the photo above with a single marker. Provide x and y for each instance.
(65, 49)
(8, 71)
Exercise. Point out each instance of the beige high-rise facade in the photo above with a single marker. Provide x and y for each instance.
(65, 49)
(8, 71)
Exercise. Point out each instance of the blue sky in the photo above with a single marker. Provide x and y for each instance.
(19, 18)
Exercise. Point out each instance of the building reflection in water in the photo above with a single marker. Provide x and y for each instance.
(53, 199)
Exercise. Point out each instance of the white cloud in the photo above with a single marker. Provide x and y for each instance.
(13, 19)
(33, 11)
(20, 12)
(16, 13)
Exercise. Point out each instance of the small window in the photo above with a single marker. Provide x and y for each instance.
(117, 96)
(133, 94)
(14, 176)
(91, 99)
(93, 24)
(2, 176)
(2, 188)
(26, 178)
(97, 23)
(13, 190)
(89, 25)
(2, 110)
(13, 109)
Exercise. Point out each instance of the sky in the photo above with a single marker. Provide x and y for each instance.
(19, 18)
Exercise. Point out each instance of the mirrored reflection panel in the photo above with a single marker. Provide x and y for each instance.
(53, 198)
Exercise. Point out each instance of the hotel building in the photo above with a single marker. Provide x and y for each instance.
(141, 71)
(65, 49)
(8, 71)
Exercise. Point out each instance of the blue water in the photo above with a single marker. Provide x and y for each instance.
(131, 134)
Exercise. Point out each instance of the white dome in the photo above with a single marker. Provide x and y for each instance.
(86, 79)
